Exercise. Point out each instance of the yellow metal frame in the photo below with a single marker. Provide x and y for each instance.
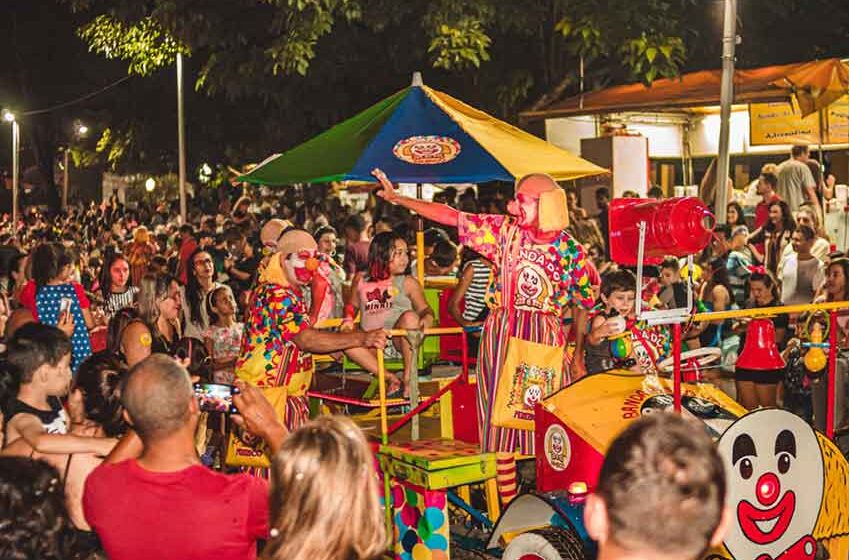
(490, 488)
(769, 311)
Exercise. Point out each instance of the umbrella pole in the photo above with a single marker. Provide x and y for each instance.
(420, 242)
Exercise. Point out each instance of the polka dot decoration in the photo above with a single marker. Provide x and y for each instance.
(421, 524)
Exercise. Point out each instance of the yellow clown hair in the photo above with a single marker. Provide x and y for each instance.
(553, 214)
(832, 526)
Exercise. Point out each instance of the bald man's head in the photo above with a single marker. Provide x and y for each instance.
(535, 184)
(269, 235)
(158, 397)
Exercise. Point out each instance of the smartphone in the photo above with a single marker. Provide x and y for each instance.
(65, 306)
(216, 397)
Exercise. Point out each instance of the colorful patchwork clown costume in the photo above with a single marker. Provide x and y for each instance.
(540, 271)
(276, 314)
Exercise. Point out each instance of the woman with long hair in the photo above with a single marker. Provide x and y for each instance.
(95, 405)
(200, 280)
(716, 295)
(388, 297)
(157, 329)
(776, 234)
(116, 286)
(324, 499)
(735, 215)
(760, 387)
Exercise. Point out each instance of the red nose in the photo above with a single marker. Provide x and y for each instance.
(768, 489)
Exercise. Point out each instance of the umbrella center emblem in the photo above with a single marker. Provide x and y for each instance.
(426, 150)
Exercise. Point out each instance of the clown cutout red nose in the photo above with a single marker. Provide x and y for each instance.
(540, 203)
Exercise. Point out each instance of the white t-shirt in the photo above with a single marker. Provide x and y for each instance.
(800, 279)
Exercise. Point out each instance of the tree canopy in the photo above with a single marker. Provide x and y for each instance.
(268, 74)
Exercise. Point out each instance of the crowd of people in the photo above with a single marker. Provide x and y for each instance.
(111, 313)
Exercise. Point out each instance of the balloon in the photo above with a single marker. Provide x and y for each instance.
(409, 540)
(421, 552)
(621, 347)
(435, 518)
(437, 542)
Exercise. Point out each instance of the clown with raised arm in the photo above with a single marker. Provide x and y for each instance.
(540, 276)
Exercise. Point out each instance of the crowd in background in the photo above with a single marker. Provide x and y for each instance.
(117, 284)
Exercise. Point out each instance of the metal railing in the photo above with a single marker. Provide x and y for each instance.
(830, 307)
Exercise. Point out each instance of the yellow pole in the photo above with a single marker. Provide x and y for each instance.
(768, 311)
(384, 439)
(420, 256)
(381, 383)
(431, 331)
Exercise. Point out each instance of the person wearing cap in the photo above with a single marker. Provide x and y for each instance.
(540, 272)
(279, 338)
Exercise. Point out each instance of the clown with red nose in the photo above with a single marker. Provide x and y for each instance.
(279, 338)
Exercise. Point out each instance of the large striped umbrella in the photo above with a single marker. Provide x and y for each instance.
(420, 135)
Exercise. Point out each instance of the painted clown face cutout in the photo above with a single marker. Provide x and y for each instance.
(532, 287)
(530, 283)
(774, 468)
(533, 394)
(557, 444)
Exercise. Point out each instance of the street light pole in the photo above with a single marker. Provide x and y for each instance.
(729, 41)
(181, 138)
(65, 179)
(16, 153)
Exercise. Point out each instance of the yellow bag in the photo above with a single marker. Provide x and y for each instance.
(531, 372)
(248, 450)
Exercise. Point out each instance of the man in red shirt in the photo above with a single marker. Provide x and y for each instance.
(165, 504)
(767, 184)
(187, 247)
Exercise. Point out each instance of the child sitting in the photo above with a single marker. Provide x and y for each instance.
(223, 337)
(673, 292)
(39, 357)
(388, 297)
(614, 333)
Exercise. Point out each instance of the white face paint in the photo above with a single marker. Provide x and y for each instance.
(774, 468)
(298, 267)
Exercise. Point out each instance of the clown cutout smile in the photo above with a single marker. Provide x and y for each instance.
(532, 287)
(775, 485)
